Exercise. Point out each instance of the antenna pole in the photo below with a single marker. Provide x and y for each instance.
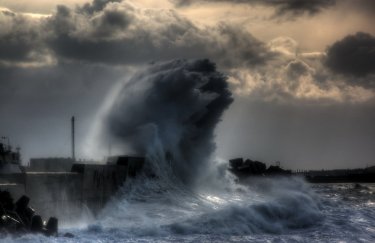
(73, 142)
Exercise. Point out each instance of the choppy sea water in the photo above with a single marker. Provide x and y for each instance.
(264, 210)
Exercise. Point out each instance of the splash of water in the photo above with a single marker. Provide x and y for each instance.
(168, 113)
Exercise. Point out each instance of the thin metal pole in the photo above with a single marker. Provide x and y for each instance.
(73, 145)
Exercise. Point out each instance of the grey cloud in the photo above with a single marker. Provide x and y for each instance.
(7, 12)
(95, 6)
(283, 8)
(62, 20)
(301, 80)
(19, 38)
(300, 7)
(354, 54)
(113, 19)
(121, 34)
(294, 71)
(297, 68)
(364, 6)
(237, 47)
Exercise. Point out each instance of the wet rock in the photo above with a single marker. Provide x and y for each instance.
(36, 224)
(20, 218)
(68, 235)
(51, 226)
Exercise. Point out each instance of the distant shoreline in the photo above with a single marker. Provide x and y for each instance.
(244, 169)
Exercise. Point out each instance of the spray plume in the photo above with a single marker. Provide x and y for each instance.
(168, 113)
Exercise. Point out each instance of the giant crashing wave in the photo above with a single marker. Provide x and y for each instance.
(168, 112)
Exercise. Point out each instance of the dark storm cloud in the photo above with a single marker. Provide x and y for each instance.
(120, 33)
(110, 32)
(123, 34)
(364, 6)
(288, 8)
(296, 69)
(111, 21)
(19, 38)
(300, 7)
(7, 12)
(353, 58)
(96, 5)
(116, 33)
(353, 55)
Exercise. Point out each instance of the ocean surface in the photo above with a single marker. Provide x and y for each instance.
(262, 210)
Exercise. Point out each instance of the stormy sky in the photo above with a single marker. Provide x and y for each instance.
(302, 73)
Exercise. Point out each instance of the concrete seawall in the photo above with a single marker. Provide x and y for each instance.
(66, 194)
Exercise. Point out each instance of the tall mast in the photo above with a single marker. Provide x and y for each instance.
(73, 142)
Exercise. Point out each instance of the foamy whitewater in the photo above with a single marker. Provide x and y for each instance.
(168, 113)
(277, 210)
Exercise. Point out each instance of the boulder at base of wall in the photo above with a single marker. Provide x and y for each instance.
(20, 218)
